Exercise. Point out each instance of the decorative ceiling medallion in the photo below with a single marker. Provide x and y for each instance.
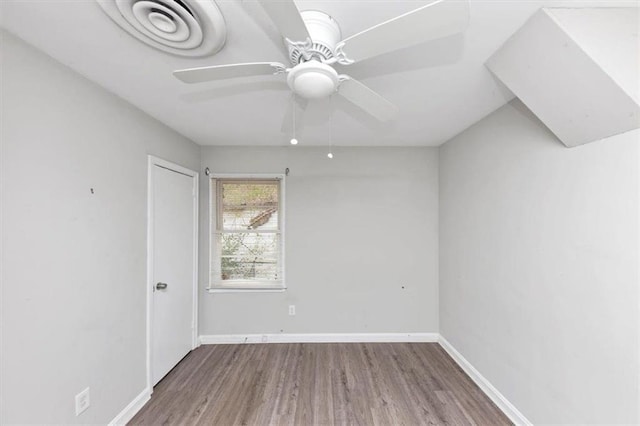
(182, 27)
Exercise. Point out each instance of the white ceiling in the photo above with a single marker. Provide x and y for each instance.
(441, 87)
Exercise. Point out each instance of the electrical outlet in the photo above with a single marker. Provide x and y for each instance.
(83, 400)
(292, 310)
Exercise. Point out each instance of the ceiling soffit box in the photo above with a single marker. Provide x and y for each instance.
(560, 80)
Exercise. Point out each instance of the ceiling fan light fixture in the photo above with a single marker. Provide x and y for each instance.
(313, 80)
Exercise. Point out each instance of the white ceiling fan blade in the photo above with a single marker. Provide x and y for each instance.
(300, 105)
(286, 16)
(221, 72)
(438, 19)
(370, 101)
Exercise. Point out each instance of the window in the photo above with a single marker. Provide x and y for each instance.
(247, 240)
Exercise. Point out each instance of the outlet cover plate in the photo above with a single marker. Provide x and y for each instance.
(83, 400)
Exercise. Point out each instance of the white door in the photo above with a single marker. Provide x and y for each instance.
(173, 217)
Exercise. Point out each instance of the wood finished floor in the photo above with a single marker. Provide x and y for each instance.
(319, 384)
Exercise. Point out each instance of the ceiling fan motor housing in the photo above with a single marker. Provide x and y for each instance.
(325, 35)
(310, 78)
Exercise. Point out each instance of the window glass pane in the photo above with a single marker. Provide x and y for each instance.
(249, 256)
(249, 206)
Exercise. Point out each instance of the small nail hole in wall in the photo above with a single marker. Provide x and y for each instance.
(91, 190)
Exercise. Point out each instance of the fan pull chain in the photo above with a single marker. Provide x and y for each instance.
(294, 141)
(330, 154)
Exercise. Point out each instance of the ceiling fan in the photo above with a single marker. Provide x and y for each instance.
(315, 44)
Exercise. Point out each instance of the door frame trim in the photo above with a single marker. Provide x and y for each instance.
(152, 162)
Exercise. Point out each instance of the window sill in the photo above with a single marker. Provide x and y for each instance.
(246, 290)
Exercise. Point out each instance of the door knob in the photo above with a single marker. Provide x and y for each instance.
(161, 286)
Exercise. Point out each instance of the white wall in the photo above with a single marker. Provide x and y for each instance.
(539, 266)
(358, 228)
(73, 262)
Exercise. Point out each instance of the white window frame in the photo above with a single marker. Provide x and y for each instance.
(214, 250)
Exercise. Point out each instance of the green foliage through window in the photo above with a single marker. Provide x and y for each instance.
(248, 230)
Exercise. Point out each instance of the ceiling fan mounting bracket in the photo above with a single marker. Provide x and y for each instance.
(299, 51)
(340, 56)
(279, 69)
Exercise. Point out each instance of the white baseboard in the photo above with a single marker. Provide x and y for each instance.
(221, 339)
(503, 403)
(131, 409)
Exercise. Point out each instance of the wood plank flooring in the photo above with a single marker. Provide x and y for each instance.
(319, 384)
